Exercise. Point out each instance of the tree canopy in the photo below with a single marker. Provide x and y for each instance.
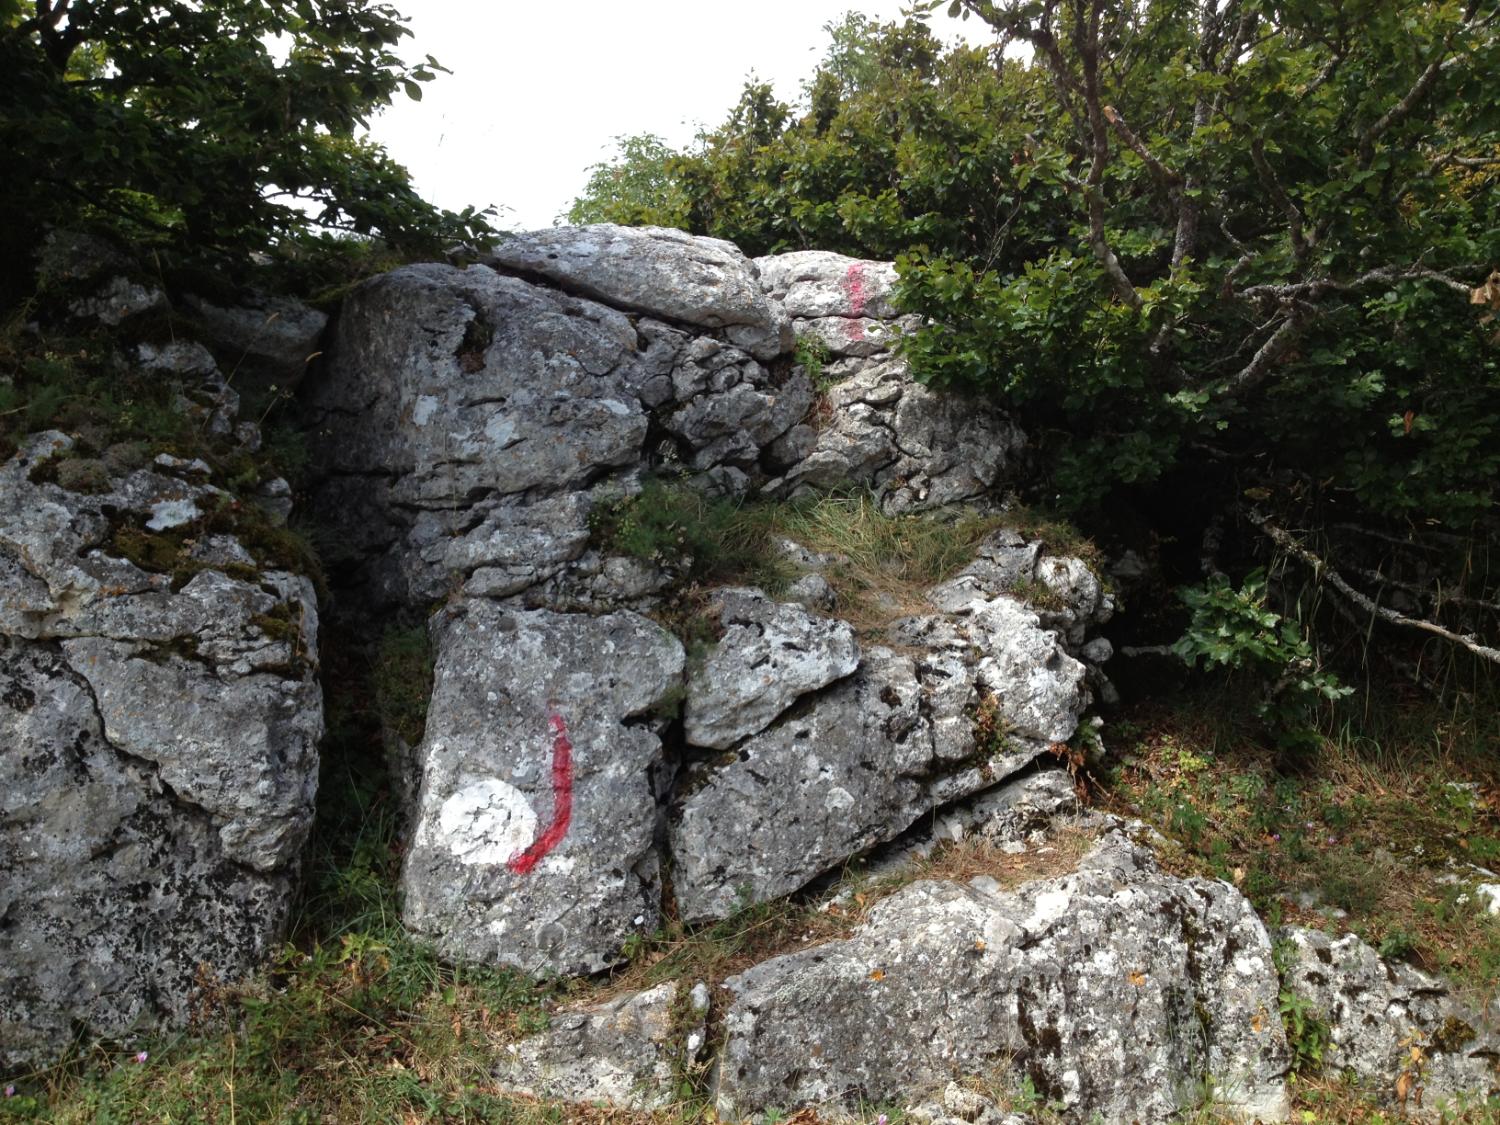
(224, 127)
(1232, 261)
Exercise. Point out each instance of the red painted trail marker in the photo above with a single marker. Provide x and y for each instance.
(854, 285)
(562, 800)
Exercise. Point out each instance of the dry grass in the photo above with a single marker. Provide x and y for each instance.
(975, 857)
(883, 564)
(1376, 835)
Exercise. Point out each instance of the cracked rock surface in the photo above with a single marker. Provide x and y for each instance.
(540, 719)
(1114, 989)
(1391, 1024)
(627, 1052)
(158, 751)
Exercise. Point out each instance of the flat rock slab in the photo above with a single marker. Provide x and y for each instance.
(770, 655)
(1115, 990)
(533, 844)
(704, 282)
(1379, 1012)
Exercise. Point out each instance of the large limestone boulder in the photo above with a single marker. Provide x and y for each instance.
(533, 844)
(1117, 990)
(664, 273)
(1401, 1032)
(159, 721)
(953, 704)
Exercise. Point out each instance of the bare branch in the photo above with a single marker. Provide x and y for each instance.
(1413, 97)
(1289, 543)
(1164, 175)
(1435, 592)
(1318, 287)
(1300, 242)
(1268, 353)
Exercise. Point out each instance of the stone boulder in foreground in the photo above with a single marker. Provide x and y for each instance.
(159, 722)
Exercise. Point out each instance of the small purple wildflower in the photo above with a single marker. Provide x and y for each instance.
(881, 1120)
(10, 1091)
(141, 1056)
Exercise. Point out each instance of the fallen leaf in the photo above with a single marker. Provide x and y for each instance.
(1137, 978)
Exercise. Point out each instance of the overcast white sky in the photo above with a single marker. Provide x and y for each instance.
(538, 91)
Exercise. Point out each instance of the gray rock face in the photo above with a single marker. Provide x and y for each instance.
(158, 750)
(274, 336)
(917, 449)
(857, 764)
(481, 432)
(628, 1052)
(769, 655)
(1393, 1024)
(811, 284)
(665, 273)
(1116, 989)
(853, 768)
(118, 300)
(533, 844)
(470, 422)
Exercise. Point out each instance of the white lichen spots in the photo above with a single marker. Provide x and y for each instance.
(500, 430)
(837, 799)
(1248, 966)
(487, 821)
(1049, 906)
(167, 514)
(423, 410)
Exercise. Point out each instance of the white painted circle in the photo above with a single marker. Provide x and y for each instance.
(488, 821)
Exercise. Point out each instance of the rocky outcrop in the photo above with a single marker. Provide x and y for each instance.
(471, 450)
(1117, 990)
(535, 823)
(952, 704)
(1399, 1031)
(476, 424)
(159, 722)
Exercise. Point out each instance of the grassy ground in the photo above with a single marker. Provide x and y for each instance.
(1378, 830)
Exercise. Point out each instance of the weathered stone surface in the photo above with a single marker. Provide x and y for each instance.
(853, 768)
(769, 656)
(158, 752)
(274, 336)
(665, 273)
(1036, 687)
(917, 449)
(1116, 989)
(1009, 815)
(819, 283)
(113, 889)
(959, 1105)
(1392, 1023)
(856, 764)
(118, 300)
(539, 744)
(629, 1052)
(479, 435)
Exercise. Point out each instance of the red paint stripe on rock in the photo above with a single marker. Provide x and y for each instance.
(562, 800)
